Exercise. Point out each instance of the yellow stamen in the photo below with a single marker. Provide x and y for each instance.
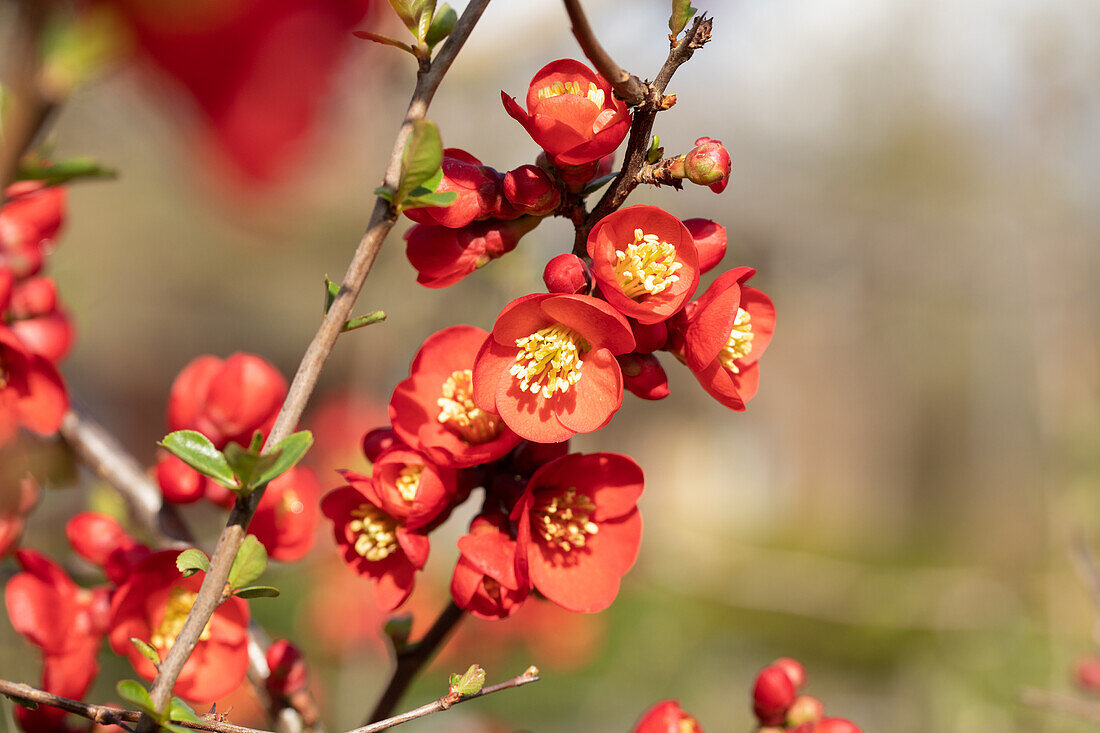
(549, 360)
(647, 266)
(564, 520)
(408, 481)
(176, 609)
(740, 342)
(461, 415)
(377, 531)
(492, 588)
(593, 93)
(289, 504)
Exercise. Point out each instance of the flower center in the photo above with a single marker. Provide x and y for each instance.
(459, 413)
(564, 520)
(647, 266)
(408, 481)
(492, 588)
(740, 342)
(593, 93)
(549, 360)
(377, 532)
(179, 605)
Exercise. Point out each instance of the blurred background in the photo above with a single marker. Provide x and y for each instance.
(918, 184)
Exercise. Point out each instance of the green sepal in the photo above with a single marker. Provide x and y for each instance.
(196, 450)
(249, 564)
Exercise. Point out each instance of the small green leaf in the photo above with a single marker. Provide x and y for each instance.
(655, 151)
(247, 466)
(424, 21)
(682, 12)
(62, 171)
(599, 183)
(384, 192)
(196, 450)
(354, 323)
(409, 12)
(179, 710)
(469, 683)
(331, 291)
(442, 25)
(192, 561)
(257, 591)
(290, 451)
(257, 442)
(443, 198)
(422, 157)
(23, 702)
(145, 648)
(133, 692)
(249, 564)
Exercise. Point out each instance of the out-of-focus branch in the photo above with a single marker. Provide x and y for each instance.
(531, 675)
(627, 86)
(1058, 702)
(411, 659)
(305, 379)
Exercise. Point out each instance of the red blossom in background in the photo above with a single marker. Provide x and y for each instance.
(102, 541)
(17, 498)
(484, 580)
(38, 318)
(153, 604)
(667, 717)
(564, 379)
(579, 529)
(443, 256)
(572, 113)
(32, 393)
(645, 262)
(434, 411)
(287, 516)
(30, 220)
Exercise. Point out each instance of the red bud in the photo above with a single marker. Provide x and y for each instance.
(772, 695)
(837, 725)
(806, 709)
(378, 440)
(1087, 673)
(34, 296)
(649, 337)
(289, 673)
(644, 376)
(794, 670)
(179, 483)
(708, 163)
(567, 273)
(531, 191)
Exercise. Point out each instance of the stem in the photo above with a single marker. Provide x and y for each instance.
(526, 678)
(382, 220)
(627, 86)
(411, 659)
(1061, 703)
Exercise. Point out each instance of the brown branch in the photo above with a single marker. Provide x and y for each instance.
(103, 714)
(660, 174)
(1058, 702)
(531, 675)
(627, 87)
(382, 220)
(412, 658)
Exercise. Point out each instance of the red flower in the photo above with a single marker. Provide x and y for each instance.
(287, 515)
(723, 334)
(531, 191)
(38, 319)
(434, 410)
(444, 256)
(645, 262)
(102, 541)
(484, 580)
(667, 717)
(773, 693)
(374, 543)
(564, 379)
(31, 391)
(17, 498)
(578, 529)
(29, 221)
(62, 619)
(153, 604)
(409, 486)
(710, 241)
(478, 188)
(572, 113)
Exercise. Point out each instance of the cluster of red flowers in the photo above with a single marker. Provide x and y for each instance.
(667, 717)
(145, 597)
(35, 331)
(496, 410)
(779, 708)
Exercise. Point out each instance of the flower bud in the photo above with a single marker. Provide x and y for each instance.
(772, 695)
(529, 456)
(179, 483)
(836, 725)
(95, 536)
(806, 709)
(644, 376)
(710, 240)
(649, 337)
(1087, 673)
(531, 191)
(289, 673)
(708, 164)
(794, 670)
(34, 296)
(567, 273)
(378, 440)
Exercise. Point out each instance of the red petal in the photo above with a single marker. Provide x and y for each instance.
(592, 401)
(599, 323)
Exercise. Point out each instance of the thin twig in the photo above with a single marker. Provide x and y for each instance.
(531, 675)
(412, 658)
(627, 86)
(382, 220)
(103, 714)
(1059, 702)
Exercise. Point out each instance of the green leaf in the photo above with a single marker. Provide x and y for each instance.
(331, 291)
(247, 466)
(175, 728)
(682, 12)
(366, 320)
(62, 171)
(469, 683)
(442, 25)
(443, 198)
(424, 21)
(290, 451)
(599, 183)
(179, 710)
(409, 11)
(192, 561)
(384, 192)
(655, 151)
(147, 649)
(133, 692)
(257, 442)
(422, 157)
(249, 564)
(196, 450)
(257, 591)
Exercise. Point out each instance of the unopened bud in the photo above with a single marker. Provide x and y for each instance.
(806, 709)
(1087, 673)
(794, 669)
(34, 296)
(710, 241)
(567, 273)
(644, 376)
(836, 725)
(289, 673)
(378, 440)
(708, 163)
(649, 337)
(772, 695)
(531, 191)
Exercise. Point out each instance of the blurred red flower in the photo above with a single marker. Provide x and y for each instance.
(667, 717)
(32, 393)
